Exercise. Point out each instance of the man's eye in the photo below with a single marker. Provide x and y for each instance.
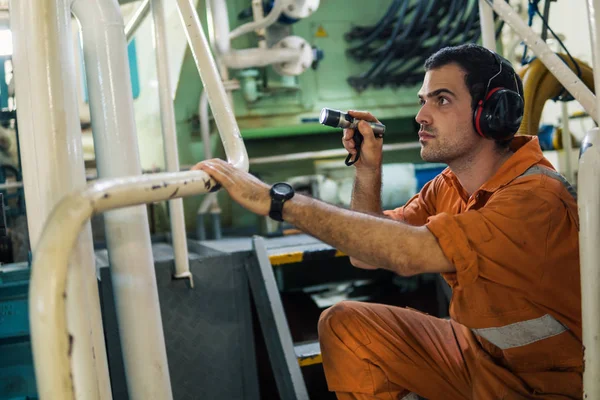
(421, 102)
(443, 101)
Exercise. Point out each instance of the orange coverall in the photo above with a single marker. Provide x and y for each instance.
(515, 327)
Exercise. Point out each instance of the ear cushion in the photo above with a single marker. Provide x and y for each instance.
(499, 116)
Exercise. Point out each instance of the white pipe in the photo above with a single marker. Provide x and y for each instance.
(263, 23)
(310, 155)
(47, 308)
(588, 199)
(593, 8)
(136, 19)
(217, 97)
(220, 21)
(554, 64)
(258, 14)
(566, 142)
(210, 201)
(127, 230)
(11, 185)
(52, 157)
(169, 132)
(589, 232)
(259, 57)
(488, 30)
(51, 150)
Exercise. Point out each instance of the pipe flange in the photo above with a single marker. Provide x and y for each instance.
(302, 63)
(299, 9)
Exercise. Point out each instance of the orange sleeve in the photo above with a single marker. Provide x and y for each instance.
(420, 207)
(505, 241)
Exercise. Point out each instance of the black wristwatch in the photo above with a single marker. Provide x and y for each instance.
(280, 193)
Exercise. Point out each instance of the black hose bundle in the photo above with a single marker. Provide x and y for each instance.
(409, 32)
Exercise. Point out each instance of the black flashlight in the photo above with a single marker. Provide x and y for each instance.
(338, 119)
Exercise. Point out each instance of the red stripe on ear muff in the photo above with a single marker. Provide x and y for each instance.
(480, 111)
(478, 118)
(494, 90)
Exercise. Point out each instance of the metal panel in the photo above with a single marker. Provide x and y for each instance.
(208, 329)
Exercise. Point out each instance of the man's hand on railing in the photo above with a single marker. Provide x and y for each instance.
(243, 187)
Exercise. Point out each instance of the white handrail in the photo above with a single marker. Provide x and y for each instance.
(51, 341)
(565, 76)
(589, 203)
(213, 85)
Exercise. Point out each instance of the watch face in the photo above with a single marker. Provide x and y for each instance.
(282, 189)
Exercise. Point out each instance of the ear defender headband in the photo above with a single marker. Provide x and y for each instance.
(499, 114)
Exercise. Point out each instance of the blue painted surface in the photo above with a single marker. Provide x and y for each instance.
(426, 172)
(17, 377)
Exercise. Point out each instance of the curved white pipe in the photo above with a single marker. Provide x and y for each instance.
(263, 23)
(50, 337)
(51, 150)
(217, 97)
(127, 230)
(562, 72)
(259, 57)
(169, 133)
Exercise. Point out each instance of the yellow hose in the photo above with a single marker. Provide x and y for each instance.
(539, 85)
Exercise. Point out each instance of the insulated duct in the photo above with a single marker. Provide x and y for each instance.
(540, 85)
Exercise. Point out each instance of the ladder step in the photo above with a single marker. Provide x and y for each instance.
(308, 353)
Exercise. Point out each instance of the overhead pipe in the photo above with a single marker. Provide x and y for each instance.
(539, 47)
(47, 306)
(136, 19)
(169, 133)
(262, 23)
(488, 28)
(259, 57)
(589, 232)
(127, 230)
(213, 85)
(311, 155)
(51, 150)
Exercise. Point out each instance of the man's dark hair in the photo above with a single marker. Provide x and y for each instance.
(480, 65)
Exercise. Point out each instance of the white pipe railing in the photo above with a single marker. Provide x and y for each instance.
(136, 19)
(589, 233)
(169, 133)
(213, 85)
(565, 76)
(51, 150)
(51, 340)
(127, 230)
(488, 30)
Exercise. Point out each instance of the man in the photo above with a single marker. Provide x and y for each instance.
(499, 224)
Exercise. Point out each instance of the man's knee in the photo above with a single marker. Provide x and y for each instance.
(345, 323)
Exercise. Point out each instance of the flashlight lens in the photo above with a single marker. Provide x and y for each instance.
(330, 117)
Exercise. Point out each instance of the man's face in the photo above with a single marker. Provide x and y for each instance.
(446, 116)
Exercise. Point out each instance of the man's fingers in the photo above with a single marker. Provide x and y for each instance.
(217, 171)
(364, 115)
